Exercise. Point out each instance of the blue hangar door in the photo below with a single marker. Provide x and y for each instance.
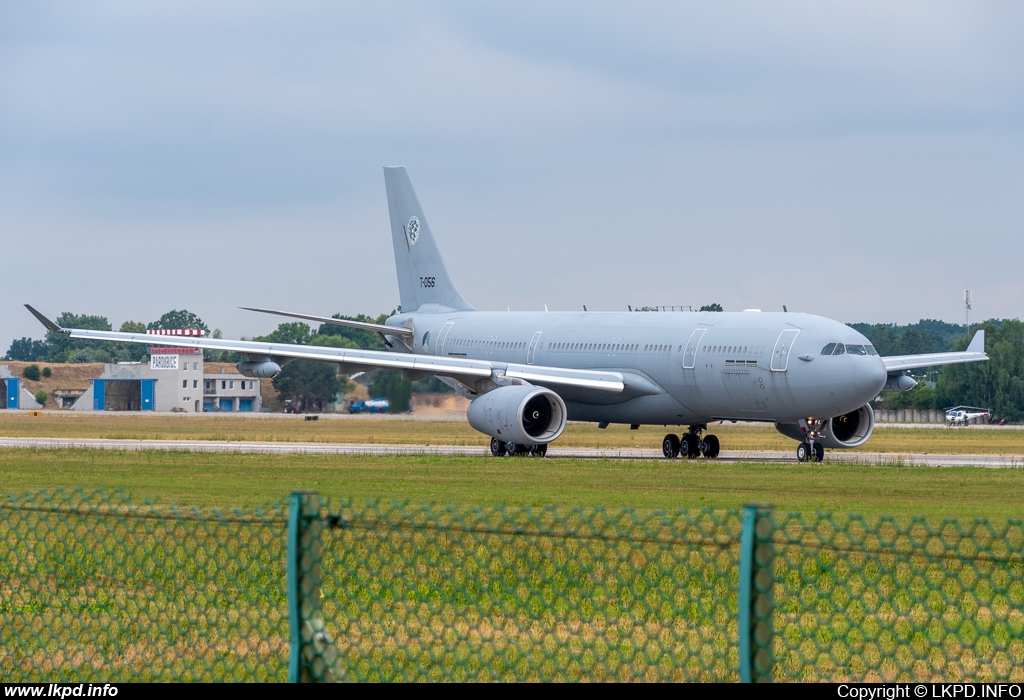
(11, 394)
(98, 395)
(148, 390)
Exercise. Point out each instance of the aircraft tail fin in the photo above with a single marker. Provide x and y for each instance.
(422, 275)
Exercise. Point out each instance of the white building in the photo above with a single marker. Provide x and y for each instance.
(172, 380)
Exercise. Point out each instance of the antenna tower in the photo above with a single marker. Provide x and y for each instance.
(967, 310)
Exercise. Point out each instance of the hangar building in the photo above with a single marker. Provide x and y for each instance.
(172, 380)
(13, 394)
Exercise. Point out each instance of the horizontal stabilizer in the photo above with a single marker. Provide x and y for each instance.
(362, 325)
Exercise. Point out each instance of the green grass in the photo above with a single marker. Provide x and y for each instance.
(233, 480)
(505, 595)
(400, 431)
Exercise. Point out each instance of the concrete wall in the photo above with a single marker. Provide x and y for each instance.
(910, 415)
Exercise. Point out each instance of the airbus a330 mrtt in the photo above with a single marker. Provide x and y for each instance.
(527, 373)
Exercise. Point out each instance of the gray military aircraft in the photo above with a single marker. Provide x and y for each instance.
(527, 373)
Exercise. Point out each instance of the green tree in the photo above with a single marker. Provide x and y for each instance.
(388, 384)
(712, 307)
(47, 372)
(178, 320)
(997, 384)
(296, 333)
(40, 397)
(27, 350)
(31, 372)
(63, 348)
(310, 384)
(130, 352)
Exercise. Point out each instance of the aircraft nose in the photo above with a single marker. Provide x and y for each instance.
(870, 376)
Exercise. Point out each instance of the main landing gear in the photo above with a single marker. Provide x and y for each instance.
(690, 444)
(512, 449)
(811, 450)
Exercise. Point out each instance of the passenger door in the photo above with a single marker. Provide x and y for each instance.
(783, 346)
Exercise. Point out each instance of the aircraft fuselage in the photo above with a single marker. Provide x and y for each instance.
(701, 366)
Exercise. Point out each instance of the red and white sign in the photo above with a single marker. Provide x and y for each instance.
(176, 331)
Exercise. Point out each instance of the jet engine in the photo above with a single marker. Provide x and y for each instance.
(265, 369)
(523, 414)
(848, 430)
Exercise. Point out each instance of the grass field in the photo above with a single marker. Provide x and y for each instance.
(397, 431)
(144, 598)
(232, 480)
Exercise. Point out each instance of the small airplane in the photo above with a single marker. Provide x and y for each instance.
(962, 415)
(527, 373)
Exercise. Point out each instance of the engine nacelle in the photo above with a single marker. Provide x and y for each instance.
(848, 430)
(263, 370)
(524, 414)
(899, 382)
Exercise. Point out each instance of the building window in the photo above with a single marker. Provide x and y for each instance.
(223, 384)
(184, 384)
(195, 366)
(186, 367)
(232, 384)
(195, 383)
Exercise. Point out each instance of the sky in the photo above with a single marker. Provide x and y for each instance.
(862, 161)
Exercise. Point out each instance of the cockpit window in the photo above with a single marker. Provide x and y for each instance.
(840, 349)
(827, 350)
(856, 350)
(871, 349)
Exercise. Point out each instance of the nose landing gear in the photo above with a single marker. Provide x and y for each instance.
(811, 450)
(690, 444)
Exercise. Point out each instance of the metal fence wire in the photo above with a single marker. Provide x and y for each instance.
(93, 587)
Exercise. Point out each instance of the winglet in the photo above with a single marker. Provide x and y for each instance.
(50, 325)
(977, 342)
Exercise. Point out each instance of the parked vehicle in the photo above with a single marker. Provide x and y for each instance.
(370, 406)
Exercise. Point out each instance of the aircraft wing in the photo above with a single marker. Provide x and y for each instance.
(975, 352)
(351, 359)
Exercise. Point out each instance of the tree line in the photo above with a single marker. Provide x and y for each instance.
(997, 384)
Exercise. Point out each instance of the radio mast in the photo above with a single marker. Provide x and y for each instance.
(967, 311)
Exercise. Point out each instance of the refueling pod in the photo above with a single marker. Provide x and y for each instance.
(267, 369)
(848, 430)
(900, 382)
(522, 414)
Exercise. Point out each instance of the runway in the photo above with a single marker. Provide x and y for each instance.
(310, 448)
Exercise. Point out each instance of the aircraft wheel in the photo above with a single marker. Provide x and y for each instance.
(711, 446)
(803, 452)
(670, 446)
(515, 450)
(819, 452)
(541, 450)
(689, 445)
(497, 448)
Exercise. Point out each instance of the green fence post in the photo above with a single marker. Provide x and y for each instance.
(313, 657)
(755, 599)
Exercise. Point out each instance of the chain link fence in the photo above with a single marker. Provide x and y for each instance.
(94, 587)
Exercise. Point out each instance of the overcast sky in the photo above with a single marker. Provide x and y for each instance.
(862, 161)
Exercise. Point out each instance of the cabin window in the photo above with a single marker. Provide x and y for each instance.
(827, 350)
(856, 350)
(871, 349)
(840, 349)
